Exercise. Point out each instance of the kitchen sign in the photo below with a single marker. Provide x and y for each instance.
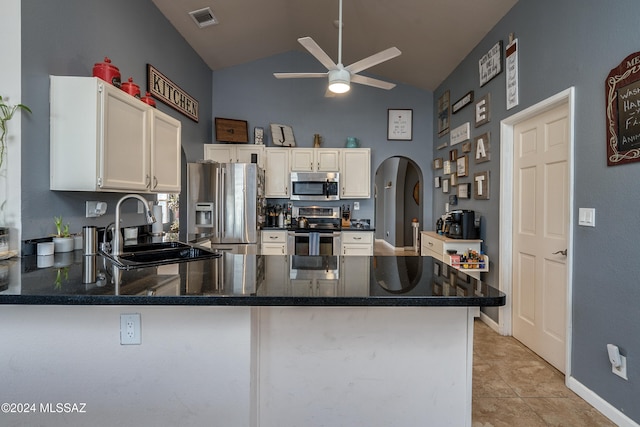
(168, 92)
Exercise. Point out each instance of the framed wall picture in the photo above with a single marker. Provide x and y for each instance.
(437, 163)
(446, 167)
(399, 125)
(437, 182)
(231, 130)
(490, 65)
(453, 180)
(460, 134)
(463, 190)
(445, 185)
(453, 155)
(622, 91)
(462, 166)
(444, 113)
(466, 147)
(462, 102)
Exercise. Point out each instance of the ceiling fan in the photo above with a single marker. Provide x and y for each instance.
(340, 76)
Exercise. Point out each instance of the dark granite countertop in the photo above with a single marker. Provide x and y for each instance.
(246, 280)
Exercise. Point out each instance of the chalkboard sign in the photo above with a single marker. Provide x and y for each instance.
(622, 91)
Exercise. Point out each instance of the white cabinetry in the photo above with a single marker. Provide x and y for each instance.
(124, 144)
(357, 243)
(355, 275)
(354, 165)
(276, 171)
(436, 246)
(355, 173)
(234, 153)
(274, 242)
(315, 160)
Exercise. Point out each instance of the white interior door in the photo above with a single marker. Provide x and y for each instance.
(541, 219)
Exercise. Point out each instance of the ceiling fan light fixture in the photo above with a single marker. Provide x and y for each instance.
(339, 81)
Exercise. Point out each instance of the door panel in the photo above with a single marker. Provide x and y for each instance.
(541, 227)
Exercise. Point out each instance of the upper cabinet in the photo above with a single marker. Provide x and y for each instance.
(235, 153)
(353, 164)
(355, 173)
(124, 144)
(276, 172)
(315, 160)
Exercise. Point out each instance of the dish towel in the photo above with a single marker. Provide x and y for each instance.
(314, 243)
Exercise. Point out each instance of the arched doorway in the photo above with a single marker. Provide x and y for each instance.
(399, 197)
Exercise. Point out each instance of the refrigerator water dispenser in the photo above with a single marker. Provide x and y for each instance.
(204, 214)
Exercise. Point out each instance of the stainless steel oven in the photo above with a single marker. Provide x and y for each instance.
(308, 242)
(320, 236)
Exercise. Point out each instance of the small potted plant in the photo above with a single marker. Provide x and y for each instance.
(62, 240)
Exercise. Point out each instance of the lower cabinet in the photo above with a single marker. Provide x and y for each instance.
(436, 246)
(357, 243)
(274, 242)
(354, 276)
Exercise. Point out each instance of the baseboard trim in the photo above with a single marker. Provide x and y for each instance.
(600, 404)
(490, 322)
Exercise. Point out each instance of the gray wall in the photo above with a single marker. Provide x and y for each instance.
(562, 44)
(67, 37)
(250, 92)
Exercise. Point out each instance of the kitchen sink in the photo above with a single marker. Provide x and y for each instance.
(154, 254)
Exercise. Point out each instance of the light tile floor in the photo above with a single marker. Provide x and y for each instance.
(512, 386)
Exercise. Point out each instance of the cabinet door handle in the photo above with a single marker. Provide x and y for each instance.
(155, 182)
(430, 243)
(561, 252)
(148, 181)
(357, 238)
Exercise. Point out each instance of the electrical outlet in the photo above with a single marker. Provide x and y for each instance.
(95, 209)
(621, 370)
(130, 331)
(356, 206)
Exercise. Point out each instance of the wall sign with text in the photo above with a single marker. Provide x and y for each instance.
(170, 93)
(490, 65)
(622, 92)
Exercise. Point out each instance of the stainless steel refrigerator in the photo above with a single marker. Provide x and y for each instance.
(225, 203)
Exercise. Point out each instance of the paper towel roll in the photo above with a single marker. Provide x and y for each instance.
(156, 227)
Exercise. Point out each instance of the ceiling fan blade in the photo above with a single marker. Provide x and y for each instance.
(317, 51)
(363, 80)
(298, 75)
(372, 60)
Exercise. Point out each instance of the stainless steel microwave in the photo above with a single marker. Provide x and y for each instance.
(316, 186)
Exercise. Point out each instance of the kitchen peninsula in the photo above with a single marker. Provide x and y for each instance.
(248, 340)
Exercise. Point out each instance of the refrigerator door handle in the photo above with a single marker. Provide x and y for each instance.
(223, 201)
(217, 205)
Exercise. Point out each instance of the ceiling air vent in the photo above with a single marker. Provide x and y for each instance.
(203, 17)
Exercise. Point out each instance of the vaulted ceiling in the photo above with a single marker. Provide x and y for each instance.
(433, 35)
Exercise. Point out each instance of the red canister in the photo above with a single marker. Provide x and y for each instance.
(107, 72)
(131, 88)
(148, 100)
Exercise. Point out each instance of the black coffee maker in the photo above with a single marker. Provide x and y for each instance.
(463, 225)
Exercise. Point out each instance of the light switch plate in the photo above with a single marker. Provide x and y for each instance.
(587, 217)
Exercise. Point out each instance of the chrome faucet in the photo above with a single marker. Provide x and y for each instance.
(117, 237)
